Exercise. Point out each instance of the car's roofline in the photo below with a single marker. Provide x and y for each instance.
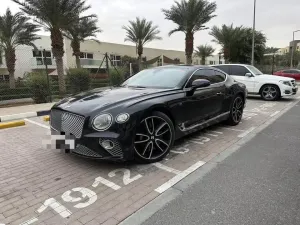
(228, 64)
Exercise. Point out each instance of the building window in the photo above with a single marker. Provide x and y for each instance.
(85, 55)
(211, 62)
(42, 56)
(115, 60)
(159, 62)
(4, 77)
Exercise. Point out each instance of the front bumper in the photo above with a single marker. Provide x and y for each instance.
(87, 142)
(288, 91)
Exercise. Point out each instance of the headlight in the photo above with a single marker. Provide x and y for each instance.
(286, 83)
(102, 122)
(122, 118)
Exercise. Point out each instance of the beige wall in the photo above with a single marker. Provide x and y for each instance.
(99, 49)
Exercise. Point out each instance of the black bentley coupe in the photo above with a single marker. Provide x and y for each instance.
(141, 118)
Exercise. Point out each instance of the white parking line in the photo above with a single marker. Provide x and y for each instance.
(166, 168)
(37, 123)
(275, 113)
(234, 129)
(30, 221)
(246, 132)
(179, 177)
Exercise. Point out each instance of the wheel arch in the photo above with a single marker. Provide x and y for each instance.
(160, 108)
(261, 88)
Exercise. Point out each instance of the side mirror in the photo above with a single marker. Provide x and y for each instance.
(200, 83)
(248, 75)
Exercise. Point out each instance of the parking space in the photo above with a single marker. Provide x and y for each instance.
(42, 186)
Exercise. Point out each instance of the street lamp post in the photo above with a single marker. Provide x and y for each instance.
(253, 33)
(293, 44)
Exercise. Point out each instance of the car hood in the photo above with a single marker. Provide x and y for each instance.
(273, 77)
(88, 102)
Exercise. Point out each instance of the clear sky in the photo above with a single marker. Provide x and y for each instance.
(276, 18)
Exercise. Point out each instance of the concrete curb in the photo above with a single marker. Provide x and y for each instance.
(12, 124)
(23, 115)
(140, 216)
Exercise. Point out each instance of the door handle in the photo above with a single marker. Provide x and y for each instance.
(219, 93)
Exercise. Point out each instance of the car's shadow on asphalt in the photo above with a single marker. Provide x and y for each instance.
(285, 99)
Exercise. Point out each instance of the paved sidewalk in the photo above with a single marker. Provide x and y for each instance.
(257, 185)
(25, 108)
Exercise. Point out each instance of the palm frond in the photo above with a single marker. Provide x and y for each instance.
(140, 31)
(59, 14)
(16, 30)
(204, 51)
(190, 16)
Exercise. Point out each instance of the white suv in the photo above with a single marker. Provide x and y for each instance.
(270, 87)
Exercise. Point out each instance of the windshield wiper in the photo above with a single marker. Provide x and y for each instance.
(137, 86)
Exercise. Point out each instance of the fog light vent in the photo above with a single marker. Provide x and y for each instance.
(107, 144)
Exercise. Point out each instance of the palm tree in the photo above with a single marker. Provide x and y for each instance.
(236, 43)
(190, 16)
(204, 51)
(15, 30)
(55, 16)
(87, 27)
(228, 37)
(141, 32)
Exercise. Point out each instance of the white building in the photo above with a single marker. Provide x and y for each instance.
(28, 60)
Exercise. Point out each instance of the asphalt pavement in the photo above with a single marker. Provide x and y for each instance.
(259, 184)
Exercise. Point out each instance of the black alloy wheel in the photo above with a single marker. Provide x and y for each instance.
(270, 93)
(236, 112)
(154, 138)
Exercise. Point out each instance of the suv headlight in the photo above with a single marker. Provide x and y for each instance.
(286, 83)
(102, 122)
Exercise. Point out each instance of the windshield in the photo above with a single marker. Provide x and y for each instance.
(255, 71)
(157, 78)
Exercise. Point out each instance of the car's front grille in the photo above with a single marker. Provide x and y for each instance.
(67, 122)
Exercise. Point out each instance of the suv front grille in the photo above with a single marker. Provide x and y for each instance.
(67, 122)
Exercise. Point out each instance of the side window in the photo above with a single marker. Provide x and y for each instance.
(219, 77)
(287, 71)
(212, 75)
(223, 68)
(294, 71)
(238, 70)
(199, 74)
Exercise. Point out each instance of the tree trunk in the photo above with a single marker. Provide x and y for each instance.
(189, 47)
(10, 57)
(226, 55)
(140, 53)
(58, 52)
(75, 44)
(203, 60)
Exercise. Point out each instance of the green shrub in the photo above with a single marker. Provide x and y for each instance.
(116, 77)
(79, 80)
(38, 86)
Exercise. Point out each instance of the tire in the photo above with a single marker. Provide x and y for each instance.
(154, 138)
(270, 92)
(236, 111)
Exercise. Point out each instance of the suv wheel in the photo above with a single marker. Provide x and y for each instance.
(270, 92)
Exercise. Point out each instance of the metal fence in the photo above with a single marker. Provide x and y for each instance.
(33, 77)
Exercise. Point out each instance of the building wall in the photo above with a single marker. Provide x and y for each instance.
(26, 62)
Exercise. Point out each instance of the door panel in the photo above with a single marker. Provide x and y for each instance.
(239, 72)
(204, 103)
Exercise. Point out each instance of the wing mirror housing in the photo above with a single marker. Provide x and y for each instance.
(200, 83)
(248, 75)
